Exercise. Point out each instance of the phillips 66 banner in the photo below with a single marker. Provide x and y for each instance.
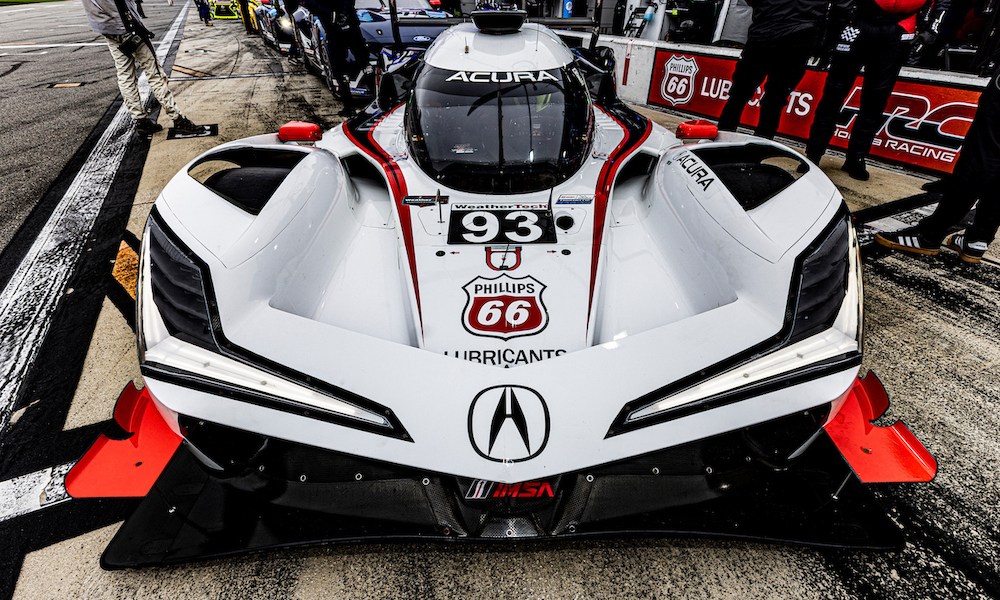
(924, 127)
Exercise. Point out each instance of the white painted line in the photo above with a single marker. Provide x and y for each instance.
(31, 295)
(10, 12)
(73, 45)
(34, 491)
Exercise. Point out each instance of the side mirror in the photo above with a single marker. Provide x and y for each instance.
(388, 95)
(395, 76)
(604, 58)
(598, 66)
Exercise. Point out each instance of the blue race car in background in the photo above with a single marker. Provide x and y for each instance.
(275, 24)
(420, 25)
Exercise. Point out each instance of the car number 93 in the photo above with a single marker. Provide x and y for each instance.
(518, 226)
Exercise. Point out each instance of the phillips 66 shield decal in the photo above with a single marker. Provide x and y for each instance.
(504, 307)
(678, 79)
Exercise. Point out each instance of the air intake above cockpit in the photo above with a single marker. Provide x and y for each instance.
(499, 22)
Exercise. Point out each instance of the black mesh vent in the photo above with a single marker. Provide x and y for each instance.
(823, 283)
(178, 290)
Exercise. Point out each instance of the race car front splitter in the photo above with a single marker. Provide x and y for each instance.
(731, 486)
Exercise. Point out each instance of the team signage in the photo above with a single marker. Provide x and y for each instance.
(504, 307)
(925, 123)
(503, 258)
(506, 357)
(508, 423)
(502, 77)
(677, 85)
(500, 224)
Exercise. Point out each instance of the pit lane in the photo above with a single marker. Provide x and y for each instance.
(933, 335)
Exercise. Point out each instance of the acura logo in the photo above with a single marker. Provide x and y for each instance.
(508, 423)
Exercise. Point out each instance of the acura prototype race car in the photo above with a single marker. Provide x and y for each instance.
(499, 304)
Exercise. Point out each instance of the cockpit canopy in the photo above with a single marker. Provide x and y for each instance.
(510, 132)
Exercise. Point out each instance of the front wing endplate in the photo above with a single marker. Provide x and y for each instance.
(128, 467)
(878, 454)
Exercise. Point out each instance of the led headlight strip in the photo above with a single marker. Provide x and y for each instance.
(820, 336)
(181, 341)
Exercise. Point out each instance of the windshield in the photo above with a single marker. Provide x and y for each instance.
(499, 133)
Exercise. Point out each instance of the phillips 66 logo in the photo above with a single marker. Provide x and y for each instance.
(678, 79)
(504, 307)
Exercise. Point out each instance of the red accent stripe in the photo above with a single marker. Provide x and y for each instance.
(397, 184)
(604, 182)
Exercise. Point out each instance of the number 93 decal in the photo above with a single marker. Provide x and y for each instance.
(517, 226)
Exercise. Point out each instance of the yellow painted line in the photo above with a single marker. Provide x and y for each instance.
(126, 268)
(192, 72)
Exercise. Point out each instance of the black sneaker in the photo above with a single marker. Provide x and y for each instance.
(856, 168)
(184, 126)
(970, 252)
(908, 240)
(147, 127)
(935, 187)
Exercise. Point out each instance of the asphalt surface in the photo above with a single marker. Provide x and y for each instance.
(42, 45)
(932, 334)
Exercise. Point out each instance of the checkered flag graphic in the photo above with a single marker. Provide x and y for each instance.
(850, 34)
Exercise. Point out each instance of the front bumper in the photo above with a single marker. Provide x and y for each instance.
(270, 493)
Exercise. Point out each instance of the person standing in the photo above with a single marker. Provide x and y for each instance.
(782, 36)
(245, 15)
(878, 39)
(106, 19)
(976, 177)
(343, 37)
(204, 12)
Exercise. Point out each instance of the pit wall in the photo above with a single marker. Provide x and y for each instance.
(927, 116)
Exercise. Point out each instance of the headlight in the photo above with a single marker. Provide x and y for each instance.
(181, 342)
(285, 23)
(821, 336)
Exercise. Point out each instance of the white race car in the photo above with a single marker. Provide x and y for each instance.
(506, 305)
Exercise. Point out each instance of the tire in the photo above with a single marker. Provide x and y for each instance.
(324, 58)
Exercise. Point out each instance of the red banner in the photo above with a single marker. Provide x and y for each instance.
(925, 123)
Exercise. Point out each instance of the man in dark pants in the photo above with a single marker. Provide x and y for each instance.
(245, 15)
(781, 38)
(976, 177)
(343, 34)
(878, 39)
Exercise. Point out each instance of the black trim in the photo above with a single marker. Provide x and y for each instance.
(765, 386)
(888, 209)
(230, 350)
(781, 338)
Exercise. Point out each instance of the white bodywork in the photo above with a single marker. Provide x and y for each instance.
(322, 281)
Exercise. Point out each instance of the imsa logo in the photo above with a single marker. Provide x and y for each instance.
(504, 307)
(482, 489)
